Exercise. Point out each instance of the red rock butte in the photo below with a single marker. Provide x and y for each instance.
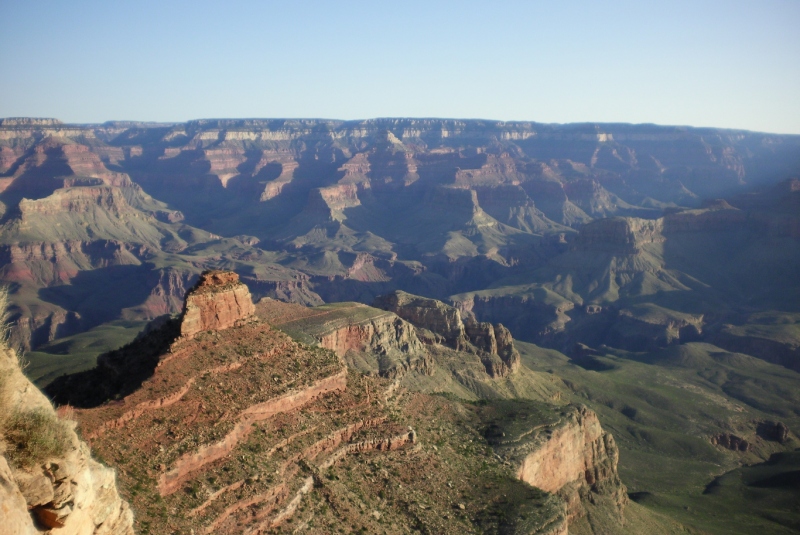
(216, 302)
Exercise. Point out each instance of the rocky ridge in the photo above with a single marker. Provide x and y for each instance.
(443, 324)
(566, 452)
(242, 428)
(314, 195)
(369, 340)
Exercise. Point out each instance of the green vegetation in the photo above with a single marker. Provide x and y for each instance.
(33, 436)
(79, 352)
(663, 408)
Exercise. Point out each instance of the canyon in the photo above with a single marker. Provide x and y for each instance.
(392, 268)
(242, 428)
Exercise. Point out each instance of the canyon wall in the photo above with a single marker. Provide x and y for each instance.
(444, 324)
(567, 453)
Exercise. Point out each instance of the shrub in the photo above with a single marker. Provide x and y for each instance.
(31, 437)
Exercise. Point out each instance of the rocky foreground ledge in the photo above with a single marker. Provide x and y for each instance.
(49, 482)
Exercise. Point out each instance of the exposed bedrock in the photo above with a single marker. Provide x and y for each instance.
(530, 316)
(393, 340)
(217, 301)
(731, 442)
(48, 264)
(438, 318)
(624, 235)
(510, 204)
(446, 324)
(568, 454)
(294, 290)
(170, 481)
(370, 340)
(638, 330)
(49, 482)
(784, 352)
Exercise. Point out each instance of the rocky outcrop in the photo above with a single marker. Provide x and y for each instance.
(495, 346)
(244, 410)
(627, 235)
(296, 289)
(170, 481)
(217, 301)
(568, 454)
(511, 205)
(649, 327)
(731, 442)
(620, 235)
(777, 349)
(371, 340)
(532, 314)
(717, 217)
(13, 507)
(49, 482)
(29, 121)
(391, 339)
(441, 323)
(337, 198)
(773, 431)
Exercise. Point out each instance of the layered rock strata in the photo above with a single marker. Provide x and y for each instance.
(216, 302)
(567, 453)
(230, 400)
(441, 323)
(370, 340)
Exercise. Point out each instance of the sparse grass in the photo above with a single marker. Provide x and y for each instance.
(32, 437)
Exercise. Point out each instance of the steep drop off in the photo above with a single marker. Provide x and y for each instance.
(237, 427)
(49, 482)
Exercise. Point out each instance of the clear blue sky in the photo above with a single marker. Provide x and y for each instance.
(720, 63)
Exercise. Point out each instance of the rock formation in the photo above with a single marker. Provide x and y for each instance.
(731, 442)
(370, 340)
(49, 482)
(623, 235)
(241, 428)
(567, 453)
(216, 302)
(774, 431)
(441, 323)
(764, 342)
(455, 205)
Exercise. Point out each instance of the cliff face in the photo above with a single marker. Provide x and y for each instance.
(49, 482)
(620, 235)
(567, 453)
(370, 340)
(392, 339)
(579, 456)
(242, 428)
(421, 192)
(441, 323)
(430, 314)
(216, 302)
